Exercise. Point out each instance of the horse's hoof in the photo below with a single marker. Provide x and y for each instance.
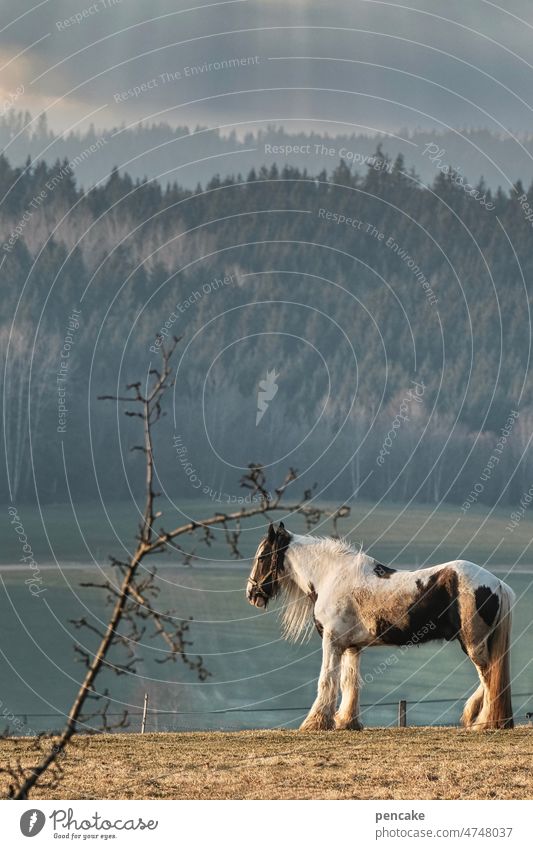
(318, 723)
(347, 724)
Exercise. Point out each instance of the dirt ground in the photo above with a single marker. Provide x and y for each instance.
(411, 763)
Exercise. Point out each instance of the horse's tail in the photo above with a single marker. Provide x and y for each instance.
(497, 676)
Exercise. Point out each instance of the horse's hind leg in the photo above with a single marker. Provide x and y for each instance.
(496, 710)
(347, 716)
(492, 707)
(473, 707)
(479, 655)
(321, 715)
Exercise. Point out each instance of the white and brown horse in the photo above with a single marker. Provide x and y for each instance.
(356, 602)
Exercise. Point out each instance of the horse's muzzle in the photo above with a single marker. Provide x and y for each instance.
(255, 598)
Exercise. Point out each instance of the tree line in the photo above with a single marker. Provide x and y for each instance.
(328, 286)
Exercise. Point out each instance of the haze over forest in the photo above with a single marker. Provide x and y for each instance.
(192, 154)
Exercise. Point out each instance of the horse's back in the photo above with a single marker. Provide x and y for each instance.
(474, 577)
(436, 602)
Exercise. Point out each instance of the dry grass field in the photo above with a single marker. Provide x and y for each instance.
(411, 763)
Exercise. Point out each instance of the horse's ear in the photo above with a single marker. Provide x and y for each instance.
(271, 535)
(283, 534)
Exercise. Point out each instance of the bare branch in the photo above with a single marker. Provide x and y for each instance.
(130, 597)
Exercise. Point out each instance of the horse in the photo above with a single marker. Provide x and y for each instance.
(356, 602)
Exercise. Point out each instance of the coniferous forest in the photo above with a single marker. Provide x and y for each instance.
(393, 317)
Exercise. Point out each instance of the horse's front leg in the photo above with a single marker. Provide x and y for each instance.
(321, 717)
(347, 717)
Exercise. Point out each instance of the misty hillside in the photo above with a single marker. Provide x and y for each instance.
(376, 306)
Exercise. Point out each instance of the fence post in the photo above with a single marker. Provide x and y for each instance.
(402, 713)
(145, 710)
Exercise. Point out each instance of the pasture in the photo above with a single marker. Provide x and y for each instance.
(421, 763)
(218, 747)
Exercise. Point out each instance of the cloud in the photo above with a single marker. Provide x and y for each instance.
(376, 63)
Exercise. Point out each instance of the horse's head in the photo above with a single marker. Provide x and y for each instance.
(268, 566)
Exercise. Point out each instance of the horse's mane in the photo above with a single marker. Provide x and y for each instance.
(297, 610)
(296, 613)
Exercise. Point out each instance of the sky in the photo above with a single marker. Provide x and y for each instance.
(330, 64)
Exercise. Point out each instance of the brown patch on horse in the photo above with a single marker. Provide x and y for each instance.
(388, 633)
(487, 604)
(382, 571)
(433, 614)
